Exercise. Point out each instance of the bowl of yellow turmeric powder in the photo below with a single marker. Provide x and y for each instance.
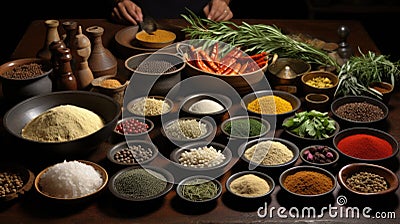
(273, 105)
(158, 39)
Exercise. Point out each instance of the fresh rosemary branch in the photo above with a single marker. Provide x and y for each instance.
(255, 38)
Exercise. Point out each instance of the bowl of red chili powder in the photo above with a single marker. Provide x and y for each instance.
(365, 144)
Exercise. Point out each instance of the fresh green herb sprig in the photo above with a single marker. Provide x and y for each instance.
(359, 71)
(255, 39)
(312, 124)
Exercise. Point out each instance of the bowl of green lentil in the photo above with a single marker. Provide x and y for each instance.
(132, 152)
(141, 183)
(199, 189)
(367, 179)
(360, 111)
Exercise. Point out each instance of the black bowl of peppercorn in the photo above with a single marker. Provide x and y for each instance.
(132, 128)
(359, 111)
(132, 152)
(319, 155)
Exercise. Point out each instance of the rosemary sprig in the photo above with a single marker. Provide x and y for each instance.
(255, 39)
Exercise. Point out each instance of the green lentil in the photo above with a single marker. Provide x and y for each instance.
(140, 183)
(244, 127)
(367, 182)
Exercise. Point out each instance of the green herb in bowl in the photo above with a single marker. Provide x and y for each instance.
(311, 124)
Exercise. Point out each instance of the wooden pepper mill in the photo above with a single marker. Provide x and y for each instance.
(101, 61)
(51, 35)
(65, 79)
(58, 44)
(344, 49)
(82, 72)
(71, 29)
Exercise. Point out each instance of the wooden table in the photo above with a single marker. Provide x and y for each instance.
(105, 209)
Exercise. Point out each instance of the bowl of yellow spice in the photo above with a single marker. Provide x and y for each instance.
(272, 105)
(158, 39)
(322, 81)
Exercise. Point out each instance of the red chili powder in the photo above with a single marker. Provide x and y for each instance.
(365, 146)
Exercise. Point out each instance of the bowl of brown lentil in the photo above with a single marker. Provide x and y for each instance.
(25, 77)
(307, 182)
(367, 179)
(15, 181)
(132, 152)
(361, 111)
(322, 81)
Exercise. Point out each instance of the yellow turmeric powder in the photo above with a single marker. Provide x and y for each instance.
(158, 36)
(110, 83)
(270, 105)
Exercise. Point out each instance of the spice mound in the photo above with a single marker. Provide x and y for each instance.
(184, 129)
(270, 105)
(308, 183)
(149, 106)
(201, 157)
(110, 83)
(199, 189)
(205, 106)
(247, 127)
(70, 179)
(320, 82)
(360, 111)
(365, 146)
(249, 185)
(367, 182)
(62, 123)
(158, 36)
(26, 71)
(269, 153)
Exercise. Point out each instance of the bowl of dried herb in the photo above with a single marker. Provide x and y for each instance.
(199, 189)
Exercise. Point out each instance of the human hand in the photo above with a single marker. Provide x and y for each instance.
(125, 11)
(218, 10)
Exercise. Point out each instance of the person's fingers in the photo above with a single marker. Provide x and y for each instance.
(218, 11)
(135, 12)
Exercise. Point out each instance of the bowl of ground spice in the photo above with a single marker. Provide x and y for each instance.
(273, 105)
(367, 179)
(199, 189)
(110, 85)
(363, 144)
(269, 153)
(158, 39)
(250, 185)
(244, 127)
(322, 81)
(361, 111)
(307, 181)
(25, 77)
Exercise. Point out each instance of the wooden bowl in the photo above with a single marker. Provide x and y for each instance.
(329, 91)
(25, 175)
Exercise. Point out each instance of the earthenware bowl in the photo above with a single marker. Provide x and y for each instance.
(317, 101)
(329, 91)
(26, 176)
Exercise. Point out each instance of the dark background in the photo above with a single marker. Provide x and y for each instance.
(379, 17)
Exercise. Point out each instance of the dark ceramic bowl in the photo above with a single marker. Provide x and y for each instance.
(317, 101)
(350, 169)
(391, 141)
(359, 99)
(268, 179)
(118, 136)
(155, 118)
(222, 100)
(131, 144)
(160, 83)
(329, 91)
(203, 179)
(230, 136)
(22, 113)
(272, 118)
(296, 169)
(103, 174)
(251, 164)
(27, 177)
(20, 89)
(335, 159)
(153, 170)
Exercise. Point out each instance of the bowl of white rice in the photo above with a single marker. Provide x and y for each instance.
(72, 180)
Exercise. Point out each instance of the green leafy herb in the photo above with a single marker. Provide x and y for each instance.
(312, 124)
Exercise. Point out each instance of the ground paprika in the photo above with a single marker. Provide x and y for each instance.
(365, 146)
(308, 183)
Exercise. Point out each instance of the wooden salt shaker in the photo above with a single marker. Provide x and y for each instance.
(83, 72)
(51, 35)
(65, 79)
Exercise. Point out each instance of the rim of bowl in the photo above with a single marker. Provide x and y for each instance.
(167, 175)
(292, 147)
(342, 181)
(209, 125)
(326, 98)
(142, 119)
(353, 99)
(219, 98)
(264, 176)
(334, 151)
(323, 73)
(371, 131)
(166, 100)
(146, 55)
(126, 144)
(263, 121)
(296, 169)
(208, 178)
(96, 166)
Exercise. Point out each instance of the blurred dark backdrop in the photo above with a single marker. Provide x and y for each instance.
(379, 17)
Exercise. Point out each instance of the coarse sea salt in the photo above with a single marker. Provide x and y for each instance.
(205, 106)
(70, 179)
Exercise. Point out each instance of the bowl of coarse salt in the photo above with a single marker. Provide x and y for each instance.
(71, 181)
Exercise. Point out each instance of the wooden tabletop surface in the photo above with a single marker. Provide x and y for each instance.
(31, 208)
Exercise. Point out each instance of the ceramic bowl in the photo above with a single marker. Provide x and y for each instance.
(317, 101)
(296, 169)
(157, 79)
(385, 137)
(262, 167)
(315, 160)
(117, 92)
(143, 152)
(247, 135)
(346, 122)
(155, 118)
(159, 39)
(116, 184)
(349, 170)
(272, 118)
(181, 189)
(39, 188)
(20, 88)
(18, 116)
(267, 178)
(119, 134)
(386, 89)
(329, 91)
(24, 175)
